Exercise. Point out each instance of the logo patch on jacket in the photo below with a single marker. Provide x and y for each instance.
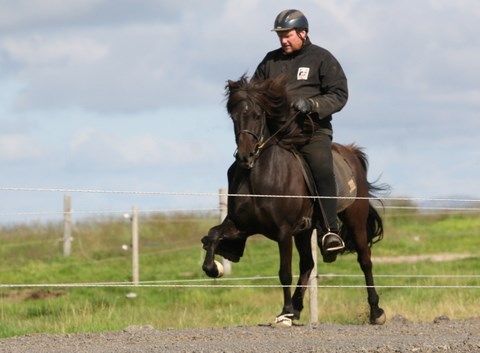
(302, 73)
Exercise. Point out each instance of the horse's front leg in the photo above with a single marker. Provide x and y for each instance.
(304, 247)
(285, 275)
(211, 242)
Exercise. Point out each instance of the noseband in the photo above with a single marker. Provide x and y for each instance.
(259, 138)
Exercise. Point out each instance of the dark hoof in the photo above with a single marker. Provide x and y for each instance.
(212, 270)
(380, 318)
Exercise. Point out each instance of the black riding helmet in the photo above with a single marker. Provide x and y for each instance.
(290, 19)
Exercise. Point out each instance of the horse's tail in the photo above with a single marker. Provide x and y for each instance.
(374, 226)
(374, 220)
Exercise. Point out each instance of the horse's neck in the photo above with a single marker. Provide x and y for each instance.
(287, 131)
(270, 161)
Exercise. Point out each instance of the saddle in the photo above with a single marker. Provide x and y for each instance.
(346, 184)
(344, 178)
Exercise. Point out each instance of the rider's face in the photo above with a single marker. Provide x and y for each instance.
(291, 40)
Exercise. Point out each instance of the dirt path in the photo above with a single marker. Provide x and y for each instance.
(418, 258)
(398, 335)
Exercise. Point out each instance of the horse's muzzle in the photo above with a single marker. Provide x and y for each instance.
(247, 161)
(247, 164)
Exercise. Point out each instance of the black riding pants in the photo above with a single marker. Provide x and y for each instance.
(318, 155)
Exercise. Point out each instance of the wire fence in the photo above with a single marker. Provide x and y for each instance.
(454, 205)
(203, 194)
(225, 282)
(395, 203)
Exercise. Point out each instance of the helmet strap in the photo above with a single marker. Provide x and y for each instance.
(304, 39)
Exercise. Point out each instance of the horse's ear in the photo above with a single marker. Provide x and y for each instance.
(242, 82)
(229, 86)
(244, 78)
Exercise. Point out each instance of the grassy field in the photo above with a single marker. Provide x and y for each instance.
(170, 249)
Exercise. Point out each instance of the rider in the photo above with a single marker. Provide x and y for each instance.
(318, 88)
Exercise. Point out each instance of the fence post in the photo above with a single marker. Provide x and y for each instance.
(227, 265)
(313, 282)
(67, 225)
(135, 255)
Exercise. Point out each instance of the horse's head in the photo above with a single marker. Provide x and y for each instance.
(250, 104)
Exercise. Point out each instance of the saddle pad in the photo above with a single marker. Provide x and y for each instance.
(346, 185)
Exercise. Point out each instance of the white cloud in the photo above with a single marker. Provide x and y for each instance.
(40, 51)
(143, 78)
(21, 13)
(20, 148)
(138, 63)
(92, 148)
(144, 59)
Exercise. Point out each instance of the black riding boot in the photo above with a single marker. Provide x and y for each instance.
(329, 240)
(318, 155)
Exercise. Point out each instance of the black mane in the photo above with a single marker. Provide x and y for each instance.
(270, 95)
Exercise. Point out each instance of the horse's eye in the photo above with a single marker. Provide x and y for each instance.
(258, 116)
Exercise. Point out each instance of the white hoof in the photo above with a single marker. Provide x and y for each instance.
(219, 268)
(283, 321)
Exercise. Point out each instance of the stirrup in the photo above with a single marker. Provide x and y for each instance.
(341, 246)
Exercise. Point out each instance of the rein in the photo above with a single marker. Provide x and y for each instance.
(261, 141)
(283, 127)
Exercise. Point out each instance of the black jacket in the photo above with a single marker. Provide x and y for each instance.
(313, 72)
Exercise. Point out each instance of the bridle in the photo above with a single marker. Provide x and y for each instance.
(261, 140)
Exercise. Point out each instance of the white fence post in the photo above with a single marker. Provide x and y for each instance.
(227, 265)
(67, 225)
(313, 283)
(135, 255)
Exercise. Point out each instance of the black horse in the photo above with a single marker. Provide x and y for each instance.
(266, 164)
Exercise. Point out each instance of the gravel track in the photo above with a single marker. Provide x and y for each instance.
(398, 335)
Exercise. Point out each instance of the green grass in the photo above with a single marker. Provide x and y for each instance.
(170, 249)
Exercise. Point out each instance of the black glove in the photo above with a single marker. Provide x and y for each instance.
(302, 105)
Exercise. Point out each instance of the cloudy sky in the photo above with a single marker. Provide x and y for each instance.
(128, 95)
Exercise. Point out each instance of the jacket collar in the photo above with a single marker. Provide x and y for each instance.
(306, 44)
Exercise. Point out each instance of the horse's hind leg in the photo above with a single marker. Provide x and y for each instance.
(357, 225)
(304, 247)
(377, 315)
